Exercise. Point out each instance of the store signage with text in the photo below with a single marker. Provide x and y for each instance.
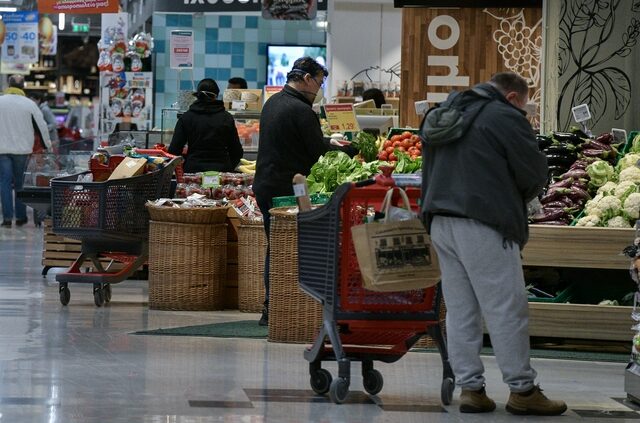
(216, 5)
(341, 117)
(78, 6)
(181, 50)
(21, 37)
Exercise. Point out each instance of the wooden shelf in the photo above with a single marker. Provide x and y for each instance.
(580, 321)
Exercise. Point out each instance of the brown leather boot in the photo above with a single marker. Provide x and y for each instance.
(476, 401)
(534, 403)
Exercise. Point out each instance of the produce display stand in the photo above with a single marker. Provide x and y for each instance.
(580, 247)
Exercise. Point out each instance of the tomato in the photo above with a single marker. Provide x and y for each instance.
(387, 143)
(396, 138)
(413, 150)
(406, 135)
(383, 156)
(397, 143)
(406, 144)
(392, 157)
(389, 150)
(414, 138)
(400, 148)
(419, 145)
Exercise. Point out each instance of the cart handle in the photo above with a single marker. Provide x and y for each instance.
(364, 183)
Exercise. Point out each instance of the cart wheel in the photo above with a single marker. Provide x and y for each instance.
(107, 293)
(339, 390)
(321, 381)
(446, 390)
(98, 297)
(65, 295)
(372, 381)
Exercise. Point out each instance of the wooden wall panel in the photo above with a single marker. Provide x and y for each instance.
(481, 31)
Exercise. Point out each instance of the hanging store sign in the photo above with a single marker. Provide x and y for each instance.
(290, 10)
(21, 37)
(190, 6)
(78, 6)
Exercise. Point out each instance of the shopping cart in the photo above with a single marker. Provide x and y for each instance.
(111, 220)
(358, 324)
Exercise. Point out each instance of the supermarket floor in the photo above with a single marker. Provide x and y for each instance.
(82, 364)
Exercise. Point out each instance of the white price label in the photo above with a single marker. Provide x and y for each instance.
(299, 190)
(581, 113)
(239, 105)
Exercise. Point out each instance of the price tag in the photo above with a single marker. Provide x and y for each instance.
(581, 113)
(341, 118)
(299, 190)
(211, 179)
(238, 105)
(619, 135)
(270, 90)
(21, 39)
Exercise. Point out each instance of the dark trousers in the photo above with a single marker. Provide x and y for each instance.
(265, 204)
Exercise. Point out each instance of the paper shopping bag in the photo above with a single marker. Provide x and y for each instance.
(395, 255)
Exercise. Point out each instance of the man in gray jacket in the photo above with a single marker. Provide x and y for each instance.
(481, 167)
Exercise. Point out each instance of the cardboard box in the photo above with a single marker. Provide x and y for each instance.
(128, 167)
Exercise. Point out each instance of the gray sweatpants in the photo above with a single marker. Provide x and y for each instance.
(482, 278)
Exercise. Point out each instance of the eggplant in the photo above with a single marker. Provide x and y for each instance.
(575, 174)
(543, 141)
(560, 160)
(555, 204)
(579, 164)
(548, 215)
(596, 145)
(553, 222)
(605, 138)
(563, 183)
(554, 193)
(567, 137)
(578, 193)
(560, 148)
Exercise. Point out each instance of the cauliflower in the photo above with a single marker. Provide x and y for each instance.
(627, 161)
(589, 221)
(632, 205)
(624, 188)
(630, 174)
(607, 188)
(609, 207)
(618, 222)
(591, 206)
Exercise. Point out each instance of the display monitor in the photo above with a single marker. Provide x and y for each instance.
(373, 124)
(280, 60)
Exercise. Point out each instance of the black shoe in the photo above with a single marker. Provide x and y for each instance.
(264, 319)
(6, 223)
(20, 222)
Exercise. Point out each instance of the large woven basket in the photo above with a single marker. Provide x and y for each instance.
(293, 315)
(195, 215)
(187, 266)
(252, 248)
(429, 342)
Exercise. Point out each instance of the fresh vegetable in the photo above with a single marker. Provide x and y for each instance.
(630, 174)
(609, 207)
(366, 143)
(406, 142)
(336, 168)
(624, 188)
(628, 160)
(618, 222)
(406, 164)
(631, 206)
(600, 172)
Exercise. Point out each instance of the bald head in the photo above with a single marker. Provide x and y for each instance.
(16, 81)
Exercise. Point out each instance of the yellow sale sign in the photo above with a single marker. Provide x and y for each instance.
(341, 118)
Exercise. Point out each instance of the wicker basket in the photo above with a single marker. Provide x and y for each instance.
(429, 342)
(293, 315)
(252, 246)
(195, 215)
(187, 266)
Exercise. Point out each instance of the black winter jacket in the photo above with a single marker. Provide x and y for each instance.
(490, 173)
(291, 141)
(210, 133)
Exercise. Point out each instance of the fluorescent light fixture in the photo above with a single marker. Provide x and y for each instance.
(61, 21)
(8, 9)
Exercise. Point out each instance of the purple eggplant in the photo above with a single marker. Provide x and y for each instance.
(595, 153)
(563, 183)
(575, 174)
(596, 145)
(605, 138)
(553, 222)
(579, 164)
(546, 215)
(557, 204)
(578, 193)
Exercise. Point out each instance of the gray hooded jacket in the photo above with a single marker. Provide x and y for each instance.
(482, 164)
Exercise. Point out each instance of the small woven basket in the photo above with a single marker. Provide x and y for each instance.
(252, 248)
(293, 315)
(194, 215)
(187, 266)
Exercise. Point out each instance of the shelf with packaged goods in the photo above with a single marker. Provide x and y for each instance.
(578, 247)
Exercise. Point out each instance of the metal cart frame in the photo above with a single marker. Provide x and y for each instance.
(358, 324)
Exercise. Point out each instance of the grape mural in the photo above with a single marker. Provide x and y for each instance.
(520, 47)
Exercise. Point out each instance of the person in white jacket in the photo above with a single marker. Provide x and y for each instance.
(17, 117)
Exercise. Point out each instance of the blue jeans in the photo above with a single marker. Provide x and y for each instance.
(12, 167)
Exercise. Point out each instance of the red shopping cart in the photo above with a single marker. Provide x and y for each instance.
(358, 324)
(111, 220)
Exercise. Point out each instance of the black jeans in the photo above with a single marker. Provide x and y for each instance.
(265, 204)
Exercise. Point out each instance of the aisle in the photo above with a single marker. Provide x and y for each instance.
(81, 364)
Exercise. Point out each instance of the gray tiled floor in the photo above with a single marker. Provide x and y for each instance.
(81, 364)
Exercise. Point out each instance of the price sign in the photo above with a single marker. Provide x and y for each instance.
(181, 50)
(21, 39)
(581, 113)
(341, 118)
(270, 90)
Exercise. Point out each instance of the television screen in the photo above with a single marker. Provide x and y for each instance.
(280, 60)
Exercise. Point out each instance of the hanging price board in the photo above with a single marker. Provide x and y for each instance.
(341, 118)
(21, 38)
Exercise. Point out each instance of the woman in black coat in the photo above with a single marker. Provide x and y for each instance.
(209, 132)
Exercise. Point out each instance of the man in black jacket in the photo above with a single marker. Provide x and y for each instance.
(481, 167)
(209, 131)
(291, 141)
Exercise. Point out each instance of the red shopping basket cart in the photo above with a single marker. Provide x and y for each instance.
(111, 220)
(358, 324)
